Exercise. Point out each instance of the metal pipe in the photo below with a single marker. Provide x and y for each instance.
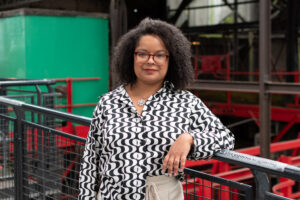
(46, 111)
(27, 82)
(259, 164)
(264, 70)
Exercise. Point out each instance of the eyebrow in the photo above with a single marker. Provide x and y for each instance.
(162, 50)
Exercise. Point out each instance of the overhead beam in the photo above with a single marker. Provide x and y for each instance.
(244, 86)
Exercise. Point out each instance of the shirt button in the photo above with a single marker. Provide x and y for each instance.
(137, 156)
(137, 183)
(136, 142)
(132, 110)
(137, 169)
(137, 120)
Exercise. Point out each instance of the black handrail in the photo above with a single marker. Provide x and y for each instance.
(258, 163)
(43, 110)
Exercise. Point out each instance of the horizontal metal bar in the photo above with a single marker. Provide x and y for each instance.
(10, 4)
(19, 96)
(27, 82)
(56, 132)
(244, 86)
(219, 28)
(272, 196)
(237, 86)
(58, 114)
(46, 111)
(216, 5)
(7, 117)
(216, 179)
(258, 163)
(283, 88)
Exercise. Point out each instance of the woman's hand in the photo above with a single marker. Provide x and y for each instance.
(177, 154)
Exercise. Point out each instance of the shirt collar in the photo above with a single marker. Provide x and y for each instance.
(167, 86)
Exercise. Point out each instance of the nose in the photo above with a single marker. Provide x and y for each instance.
(151, 59)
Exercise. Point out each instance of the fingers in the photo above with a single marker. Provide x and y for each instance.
(165, 163)
(172, 164)
(176, 165)
(182, 162)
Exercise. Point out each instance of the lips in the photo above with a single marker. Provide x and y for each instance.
(150, 70)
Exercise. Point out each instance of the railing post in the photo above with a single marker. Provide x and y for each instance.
(262, 184)
(18, 154)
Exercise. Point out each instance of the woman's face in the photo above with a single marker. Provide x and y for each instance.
(151, 60)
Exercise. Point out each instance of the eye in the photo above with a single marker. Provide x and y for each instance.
(160, 56)
(142, 55)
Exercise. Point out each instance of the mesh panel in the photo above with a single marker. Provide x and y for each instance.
(51, 165)
(198, 185)
(6, 156)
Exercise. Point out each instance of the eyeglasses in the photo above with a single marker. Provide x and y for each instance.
(159, 58)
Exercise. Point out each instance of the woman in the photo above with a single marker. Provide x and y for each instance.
(143, 131)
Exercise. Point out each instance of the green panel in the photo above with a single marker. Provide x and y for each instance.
(12, 46)
(57, 47)
(77, 47)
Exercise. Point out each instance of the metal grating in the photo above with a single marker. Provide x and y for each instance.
(6, 155)
(51, 163)
(199, 185)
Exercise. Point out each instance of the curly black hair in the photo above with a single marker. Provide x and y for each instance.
(180, 71)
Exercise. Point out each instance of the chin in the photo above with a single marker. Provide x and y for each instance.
(152, 81)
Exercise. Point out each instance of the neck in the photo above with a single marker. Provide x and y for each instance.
(144, 90)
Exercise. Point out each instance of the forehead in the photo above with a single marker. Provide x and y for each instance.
(151, 41)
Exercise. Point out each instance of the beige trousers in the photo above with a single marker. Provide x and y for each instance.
(161, 188)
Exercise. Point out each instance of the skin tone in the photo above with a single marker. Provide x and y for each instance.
(150, 77)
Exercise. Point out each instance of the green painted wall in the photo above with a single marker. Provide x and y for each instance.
(12, 47)
(57, 47)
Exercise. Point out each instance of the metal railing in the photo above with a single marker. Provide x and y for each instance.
(29, 91)
(42, 162)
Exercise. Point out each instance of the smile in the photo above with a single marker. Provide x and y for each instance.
(150, 70)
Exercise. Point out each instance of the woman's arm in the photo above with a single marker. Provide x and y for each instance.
(89, 173)
(209, 134)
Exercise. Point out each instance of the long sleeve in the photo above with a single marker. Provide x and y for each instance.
(210, 135)
(89, 173)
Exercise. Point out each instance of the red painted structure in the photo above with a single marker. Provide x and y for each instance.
(218, 67)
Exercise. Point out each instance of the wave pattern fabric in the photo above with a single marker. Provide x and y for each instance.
(123, 148)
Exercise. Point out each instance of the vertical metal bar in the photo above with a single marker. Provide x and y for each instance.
(41, 147)
(264, 70)
(251, 55)
(186, 195)
(235, 38)
(69, 95)
(292, 39)
(18, 154)
(194, 187)
(262, 184)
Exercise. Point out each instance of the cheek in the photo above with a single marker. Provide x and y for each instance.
(166, 67)
(136, 66)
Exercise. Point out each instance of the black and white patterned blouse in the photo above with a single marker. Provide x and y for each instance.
(123, 148)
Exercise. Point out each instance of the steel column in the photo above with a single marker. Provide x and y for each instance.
(264, 71)
(291, 38)
(18, 154)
